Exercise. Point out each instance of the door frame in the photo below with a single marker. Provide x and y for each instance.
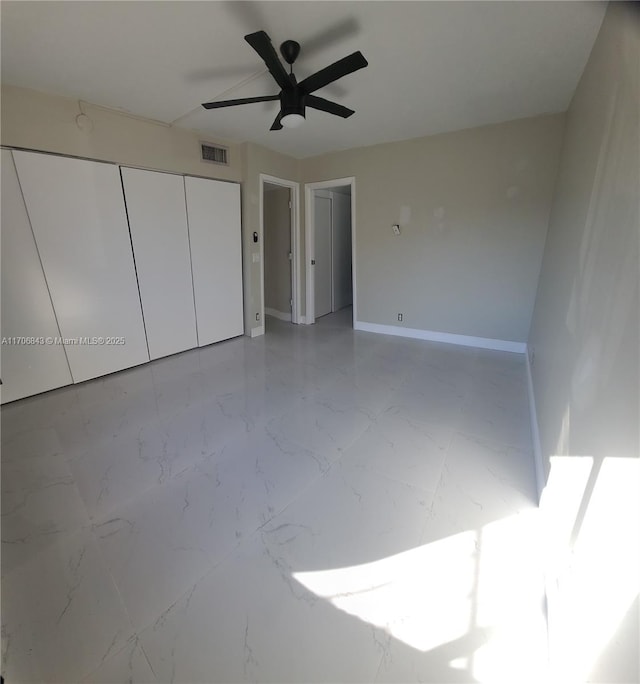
(310, 235)
(296, 288)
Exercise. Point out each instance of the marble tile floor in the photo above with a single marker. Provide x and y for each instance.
(315, 505)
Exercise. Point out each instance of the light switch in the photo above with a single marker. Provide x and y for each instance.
(256, 258)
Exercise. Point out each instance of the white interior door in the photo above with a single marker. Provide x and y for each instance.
(27, 311)
(341, 232)
(322, 256)
(213, 211)
(158, 223)
(79, 223)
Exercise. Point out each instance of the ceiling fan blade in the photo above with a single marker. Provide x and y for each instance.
(333, 72)
(261, 43)
(276, 125)
(328, 106)
(242, 100)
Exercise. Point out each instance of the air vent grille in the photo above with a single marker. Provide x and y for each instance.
(214, 154)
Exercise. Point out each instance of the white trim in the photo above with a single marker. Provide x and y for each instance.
(448, 338)
(309, 189)
(296, 284)
(281, 315)
(256, 332)
(535, 432)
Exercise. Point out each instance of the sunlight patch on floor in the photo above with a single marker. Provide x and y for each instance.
(487, 581)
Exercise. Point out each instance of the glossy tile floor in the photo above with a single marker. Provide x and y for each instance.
(316, 505)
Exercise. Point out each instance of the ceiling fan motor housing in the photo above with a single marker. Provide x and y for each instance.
(290, 51)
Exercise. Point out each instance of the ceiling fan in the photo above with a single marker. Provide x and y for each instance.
(295, 97)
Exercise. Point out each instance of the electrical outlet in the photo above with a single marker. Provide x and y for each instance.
(257, 317)
(400, 317)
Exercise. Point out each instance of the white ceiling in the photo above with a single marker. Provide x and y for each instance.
(433, 66)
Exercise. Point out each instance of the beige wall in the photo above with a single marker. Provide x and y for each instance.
(585, 326)
(277, 245)
(37, 121)
(585, 336)
(473, 207)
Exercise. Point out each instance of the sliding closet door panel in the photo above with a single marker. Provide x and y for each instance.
(33, 360)
(158, 223)
(79, 222)
(213, 208)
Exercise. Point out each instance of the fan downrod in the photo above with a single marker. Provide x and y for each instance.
(290, 51)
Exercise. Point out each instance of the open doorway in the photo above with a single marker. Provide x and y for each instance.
(330, 221)
(278, 257)
(279, 219)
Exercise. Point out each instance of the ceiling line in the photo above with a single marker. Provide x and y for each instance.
(122, 112)
(247, 80)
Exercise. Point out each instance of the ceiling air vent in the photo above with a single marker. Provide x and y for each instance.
(214, 154)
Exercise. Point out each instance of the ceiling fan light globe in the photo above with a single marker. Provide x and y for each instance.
(292, 120)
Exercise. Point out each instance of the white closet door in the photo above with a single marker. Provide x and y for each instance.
(213, 208)
(322, 255)
(27, 311)
(79, 222)
(158, 223)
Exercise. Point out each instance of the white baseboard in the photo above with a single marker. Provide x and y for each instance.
(535, 433)
(256, 332)
(281, 315)
(448, 338)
